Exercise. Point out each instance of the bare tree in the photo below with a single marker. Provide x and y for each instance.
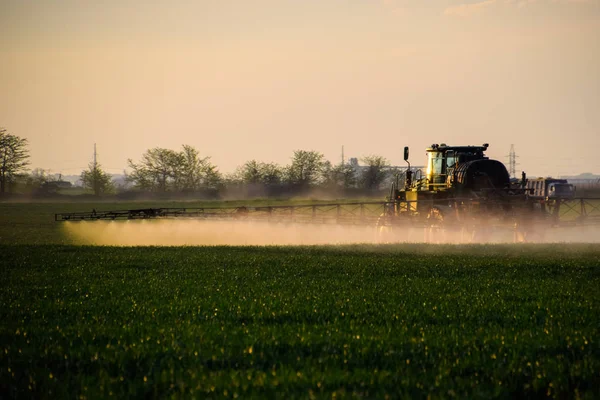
(14, 157)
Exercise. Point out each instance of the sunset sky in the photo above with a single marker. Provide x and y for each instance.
(258, 79)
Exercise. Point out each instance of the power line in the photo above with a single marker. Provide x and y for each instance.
(512, 162)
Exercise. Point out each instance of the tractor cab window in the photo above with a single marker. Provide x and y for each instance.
(435, 167)
(561, 188)
(451, 159)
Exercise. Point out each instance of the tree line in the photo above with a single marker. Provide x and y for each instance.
(163, 170)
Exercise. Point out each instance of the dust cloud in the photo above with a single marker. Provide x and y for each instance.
(195, 232)
(210, 233)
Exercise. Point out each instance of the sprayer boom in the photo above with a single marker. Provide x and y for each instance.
(340, 213)
(453, 211)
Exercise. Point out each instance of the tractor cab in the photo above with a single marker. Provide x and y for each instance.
(443, 159)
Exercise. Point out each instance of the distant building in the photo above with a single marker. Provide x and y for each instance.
(57, 185)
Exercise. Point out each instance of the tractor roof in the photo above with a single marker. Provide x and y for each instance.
(458, 149)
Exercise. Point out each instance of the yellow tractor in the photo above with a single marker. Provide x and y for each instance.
(462, 196)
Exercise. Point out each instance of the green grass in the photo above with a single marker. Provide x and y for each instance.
(363, 320)
(293, 322)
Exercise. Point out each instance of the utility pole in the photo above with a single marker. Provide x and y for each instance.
(343, 155)
(512, 162)
(95, 173)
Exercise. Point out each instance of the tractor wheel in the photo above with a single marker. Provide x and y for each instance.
(435, 227)
(393, 229)
(385, 229)
(481, 231)
(528, 232)
(442, 226)
(530, 226)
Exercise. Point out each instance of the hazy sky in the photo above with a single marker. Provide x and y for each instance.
(258, 79)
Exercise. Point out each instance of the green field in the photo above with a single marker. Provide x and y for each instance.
(365, 320)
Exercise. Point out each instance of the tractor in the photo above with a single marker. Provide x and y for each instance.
(461, 196)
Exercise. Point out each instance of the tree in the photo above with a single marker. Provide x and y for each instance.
(195, 172)
(343, 175)
(376, 171)
(96, 179)
(306, 169)
(249, 173)
(271, 174)
(164, 169)
(14, 157)
(254, 172)
(212, 178)
(157, 171)
(37, 178)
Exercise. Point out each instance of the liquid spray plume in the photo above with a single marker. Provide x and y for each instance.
(210, 233)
